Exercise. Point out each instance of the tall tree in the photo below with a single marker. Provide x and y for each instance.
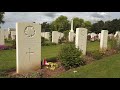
(97, 27)
(1, 18)
(77, 23)
(88, 25)
(45, 27)
(60, 24)
(114, 26)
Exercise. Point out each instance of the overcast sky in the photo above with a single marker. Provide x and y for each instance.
(11, 18)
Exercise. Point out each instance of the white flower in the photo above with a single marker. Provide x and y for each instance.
(74, 71)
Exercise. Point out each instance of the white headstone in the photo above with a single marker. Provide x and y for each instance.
(61, 35)
(43, 34)
(2, 37)
(111, 36)
(6, 34)
(104, 39)
(99, 36)
(89, 34)
(81, 39)
(55, 36)
(71, 36)
(47, 35)
(13, 35)
(28, 47)
(116, 33)
(118, 38)
(92, 36)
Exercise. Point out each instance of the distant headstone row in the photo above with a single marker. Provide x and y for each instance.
(12, 33)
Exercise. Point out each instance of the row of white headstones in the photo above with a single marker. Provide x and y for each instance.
(11, 32)
(4, 34)
(28, 44)
(55, 35)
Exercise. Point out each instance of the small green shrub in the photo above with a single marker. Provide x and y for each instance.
(14, 44)
(69, 56)
(8, 40)
(88, 37)
(45, 42)
(70, 43)
(48, 44)
(96, 54)
(42, 41)
(53, 44)
(113, 43)
(66, 33)
(59, 41)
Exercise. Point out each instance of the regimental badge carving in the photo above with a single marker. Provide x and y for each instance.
(29, 31)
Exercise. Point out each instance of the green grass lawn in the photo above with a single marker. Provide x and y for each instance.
(104, 68)
(7, 61)
(92, 46)
(8, 57)
(50, 51)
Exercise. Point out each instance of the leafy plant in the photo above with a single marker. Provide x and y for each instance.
(14, 44)
(88, 37)
(113, 43)
(44, 42)
(66, 33)
(70, 56)
(96, 54)
(60, 41)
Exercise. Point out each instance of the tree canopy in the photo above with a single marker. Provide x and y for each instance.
(111, 26)
(1, 17)
(62, 24)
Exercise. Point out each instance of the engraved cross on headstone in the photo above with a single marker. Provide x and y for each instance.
(29, 53)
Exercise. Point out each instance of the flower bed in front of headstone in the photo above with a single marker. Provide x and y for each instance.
(4, 47)
(97, 55)
(26, 75)
(52, 69)
(50, 63)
